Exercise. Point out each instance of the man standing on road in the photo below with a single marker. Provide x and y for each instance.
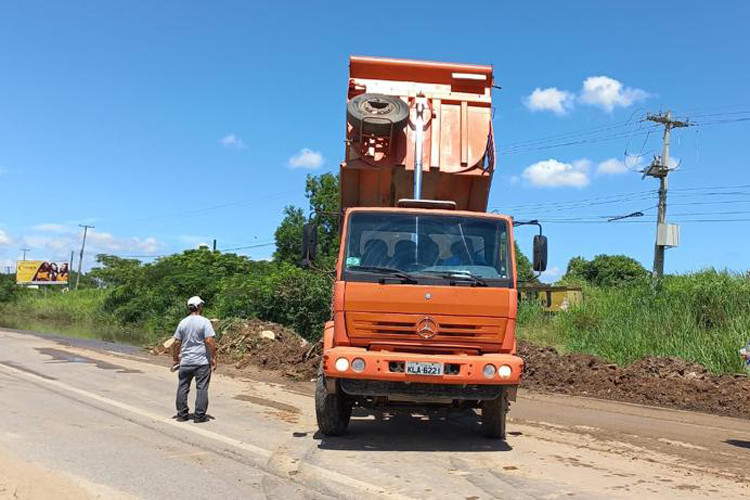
(195, 351)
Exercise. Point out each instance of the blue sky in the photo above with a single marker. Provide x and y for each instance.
(167, 124)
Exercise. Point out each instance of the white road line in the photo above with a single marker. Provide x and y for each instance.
(317, 473)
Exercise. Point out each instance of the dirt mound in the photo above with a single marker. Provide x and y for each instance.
(266, 345)
(269, 346)
(659, 381)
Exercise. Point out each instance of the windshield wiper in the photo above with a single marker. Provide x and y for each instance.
(408, 278)
(460, 275)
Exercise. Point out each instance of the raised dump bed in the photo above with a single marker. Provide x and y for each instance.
(387, 101)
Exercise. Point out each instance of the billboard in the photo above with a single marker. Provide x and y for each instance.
(41, 272)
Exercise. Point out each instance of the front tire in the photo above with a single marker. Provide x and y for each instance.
(494, 413)
(332, 411)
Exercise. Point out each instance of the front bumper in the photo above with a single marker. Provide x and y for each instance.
(458, 369)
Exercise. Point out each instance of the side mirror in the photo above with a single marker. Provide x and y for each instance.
(309, 243)
(540, 253)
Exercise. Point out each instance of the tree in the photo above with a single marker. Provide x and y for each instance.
(605, 270)
(114, 270)
(524, 267)
(289, 236)
(322, 192)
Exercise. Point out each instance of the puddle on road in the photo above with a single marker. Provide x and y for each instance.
(86, 331)
(27, 370)
(61, 356)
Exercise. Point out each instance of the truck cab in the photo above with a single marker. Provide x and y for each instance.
(425, 291)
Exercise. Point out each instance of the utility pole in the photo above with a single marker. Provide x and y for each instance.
(214, 245)
(24, 250)
(659, 169)
(70, 266)
(83, 246)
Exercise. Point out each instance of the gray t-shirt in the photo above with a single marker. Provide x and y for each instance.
(193, 332)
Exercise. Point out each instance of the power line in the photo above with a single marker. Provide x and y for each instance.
(567, 135)
(259, 245)
(593, 140)
(244, 247)
(211, 208)
(591, 201)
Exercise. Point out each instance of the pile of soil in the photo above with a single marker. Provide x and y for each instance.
(656, 380)
(269, 346)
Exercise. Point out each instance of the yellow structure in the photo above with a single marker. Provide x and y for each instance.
(552, 298)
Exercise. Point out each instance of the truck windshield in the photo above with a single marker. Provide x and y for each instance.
(428, 247)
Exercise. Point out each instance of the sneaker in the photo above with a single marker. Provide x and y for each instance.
(180, 419)
(200, 420)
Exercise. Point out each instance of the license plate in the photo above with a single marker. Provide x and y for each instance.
(421, 368)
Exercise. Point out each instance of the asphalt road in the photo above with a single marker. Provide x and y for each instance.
(82, 422)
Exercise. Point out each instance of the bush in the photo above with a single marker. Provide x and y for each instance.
(606, 271)
(9, 291)
(288, 295)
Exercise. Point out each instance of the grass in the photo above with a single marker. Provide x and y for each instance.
(75, 313)
(702, 317)
(57, 306)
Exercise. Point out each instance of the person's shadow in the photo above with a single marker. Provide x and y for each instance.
(738, 443)
(438, 431)
(191, 417)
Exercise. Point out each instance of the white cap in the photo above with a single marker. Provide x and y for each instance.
(195, 301)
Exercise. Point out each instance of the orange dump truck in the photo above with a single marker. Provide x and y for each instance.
(425, 295)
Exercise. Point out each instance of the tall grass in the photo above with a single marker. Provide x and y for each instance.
(702, 317)
(75, 313)
(53, 305)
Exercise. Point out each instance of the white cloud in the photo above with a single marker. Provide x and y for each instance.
(106, 242)
(4, 238)
(599, 91)
(607, 93)
(58, 246)
(550, 99)
(554, 173)
(232, 141)
(306, 158)
(612, 166)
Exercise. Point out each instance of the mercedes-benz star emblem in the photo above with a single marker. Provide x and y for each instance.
(427, 327)
(427, 296)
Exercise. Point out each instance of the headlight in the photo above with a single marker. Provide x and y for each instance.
(342, 364)
(489, 371)
(504, 372)
(358, 365)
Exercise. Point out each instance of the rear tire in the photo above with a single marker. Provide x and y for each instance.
(332, 411)
(494, 413)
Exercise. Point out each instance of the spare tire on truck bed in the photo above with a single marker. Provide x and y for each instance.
(378, 112)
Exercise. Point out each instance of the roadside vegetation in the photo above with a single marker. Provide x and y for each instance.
(702, 317)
